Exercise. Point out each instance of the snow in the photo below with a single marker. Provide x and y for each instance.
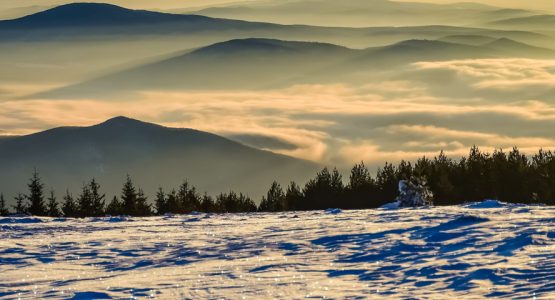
(427, 253)
(333, 211)
(414, 193)
(487, 204)
(392, 205)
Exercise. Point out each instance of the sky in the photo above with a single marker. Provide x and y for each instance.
(533, 4)
(172, 4)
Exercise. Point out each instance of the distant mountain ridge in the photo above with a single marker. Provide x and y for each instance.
(80, 20)
(362, 13)
(95, 14)
(270, 63)
(537, 22)
(154, 155)
(83, 21)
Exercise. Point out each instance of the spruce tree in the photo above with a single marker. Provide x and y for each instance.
(361, 189)
(324, 191)
(114, 208)
(20, 207)
(172, 203)
(97, 199)
(84, 202)
(388, 184)
(52, 206)
(129, 197)
(274, 200)
(160, 203)
(207, 204)
(69, 207)
(36, 196)
(188, 198)
(3, 209)
(441, 180)
(235, 203)
(142, 209)
(293, 197)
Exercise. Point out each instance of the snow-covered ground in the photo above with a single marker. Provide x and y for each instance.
(467, 252)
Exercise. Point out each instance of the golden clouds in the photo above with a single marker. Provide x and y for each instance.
(492, 106)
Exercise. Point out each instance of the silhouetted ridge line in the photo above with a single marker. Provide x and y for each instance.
(154, 154)
(97, 14)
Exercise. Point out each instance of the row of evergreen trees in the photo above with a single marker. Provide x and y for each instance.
(510, 177)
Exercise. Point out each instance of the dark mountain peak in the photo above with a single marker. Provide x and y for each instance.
(82, 6)
(243, 45)
(250, 45)
(418, 42)
(121, 120)
(505, 42)
(522, 49)
(89, 14)
(152, 154)
(81, 10)
(124, 122)
(421, 44)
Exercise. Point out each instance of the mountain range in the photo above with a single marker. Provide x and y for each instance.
(80, 21)
(362, 13)
(153, 155)
(268, 63)
(78, 41)
(535, 22)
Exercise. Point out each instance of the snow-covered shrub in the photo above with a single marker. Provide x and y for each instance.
(414, 193)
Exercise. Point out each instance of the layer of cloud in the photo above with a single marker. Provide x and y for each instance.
(490, 103)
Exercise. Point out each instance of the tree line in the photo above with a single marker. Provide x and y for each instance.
(506, 176)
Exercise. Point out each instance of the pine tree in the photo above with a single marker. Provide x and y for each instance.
(441, 180)
(36, 196)
(3, 209)
(542, 181)
(84, 202)
(69, 208)
(207, 204)
(129, 197)
(142, 209)
(160, 203)
(20, 207)
(114, 208)
(324, 191)
(361, 189)
(172, 203)
(388, 185)
(188, 198)
(52, 206)
(293, 197)
(274, 199)
(235, 203)
(97, 199)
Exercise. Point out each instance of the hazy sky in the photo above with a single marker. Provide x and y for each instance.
(533, 4)
(169, 4)
(164, 4)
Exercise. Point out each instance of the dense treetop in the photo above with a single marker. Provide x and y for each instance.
(506, 176)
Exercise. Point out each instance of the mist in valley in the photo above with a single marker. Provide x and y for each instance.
(321, 94)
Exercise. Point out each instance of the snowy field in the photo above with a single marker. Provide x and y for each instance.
(469, 252)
